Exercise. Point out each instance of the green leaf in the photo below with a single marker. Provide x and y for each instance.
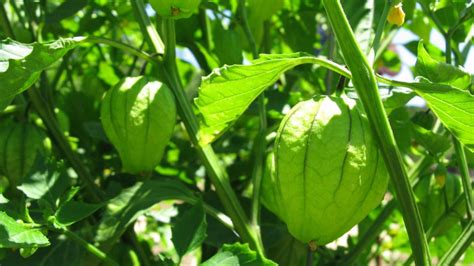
(21, 64)
(17, 235)
(227, 92)
(239, 255)
(439, 72)
(74, 211)
(122, 210)
(454, 107)
(190, 230)
(433, 142)
(48, 182)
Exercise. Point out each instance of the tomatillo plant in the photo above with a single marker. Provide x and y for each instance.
(249, 132)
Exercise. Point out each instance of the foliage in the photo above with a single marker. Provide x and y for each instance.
(143, 132)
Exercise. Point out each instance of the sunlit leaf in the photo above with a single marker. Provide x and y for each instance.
(228, 91)
(21, 64)
(454, 107)
(440, 72)
(16, 235)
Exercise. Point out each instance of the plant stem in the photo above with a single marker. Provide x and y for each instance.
(370, 235)
(91, 248)
(5, 23)
(214, 169)
(259, 141)
(125, 47)
(47, 115)
(466, 179)
(463, 242)
(364, 81)
(147, 27)
(459, 149)
(381, 26)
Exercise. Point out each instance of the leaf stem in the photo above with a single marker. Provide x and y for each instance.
(90, 248)
(364, 81)
(47, 115)
(259, 141)
(125, 47)
(6, 25)
(463, 242)
(381, 26)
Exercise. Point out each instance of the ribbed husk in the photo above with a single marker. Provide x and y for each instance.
(138, 116)
(326, 174)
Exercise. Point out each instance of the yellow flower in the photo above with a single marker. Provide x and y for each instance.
(396, 15)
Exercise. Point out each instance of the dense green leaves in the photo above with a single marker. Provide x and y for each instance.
(14, 234)
(21, 64)
(74, 211)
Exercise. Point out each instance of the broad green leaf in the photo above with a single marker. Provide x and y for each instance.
(439, 72)
(47, 182)
(228, 91)
(454, 107)
(122, 210)
(21, 64)
(189, 230)
(74, 211)
(16, 235)
(238, 255)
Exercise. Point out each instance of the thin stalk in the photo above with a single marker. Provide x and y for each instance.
(365, 83)
(7, 27)
(370, 235)
(260, 141)
(125, 47)
(147, 27)
(214, 169)
(459, 247)
(466, 179)
(459, 149)
(49, 118)
(381, 26)
(91, 248)
(439, 223)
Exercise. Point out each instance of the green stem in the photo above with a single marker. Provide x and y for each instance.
(125, 47)
(370, 235)
(49, 118)
(459, 149)
(259, 141)
(364, 81)
(466, 179)
(7, 27)
(214, 169)
(459, 247)
(147, 27)
(381, 26)
(90, 248)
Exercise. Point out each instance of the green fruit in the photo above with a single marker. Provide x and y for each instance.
(175, 9)
(328, 173)
(20, 144)
(138, 116)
